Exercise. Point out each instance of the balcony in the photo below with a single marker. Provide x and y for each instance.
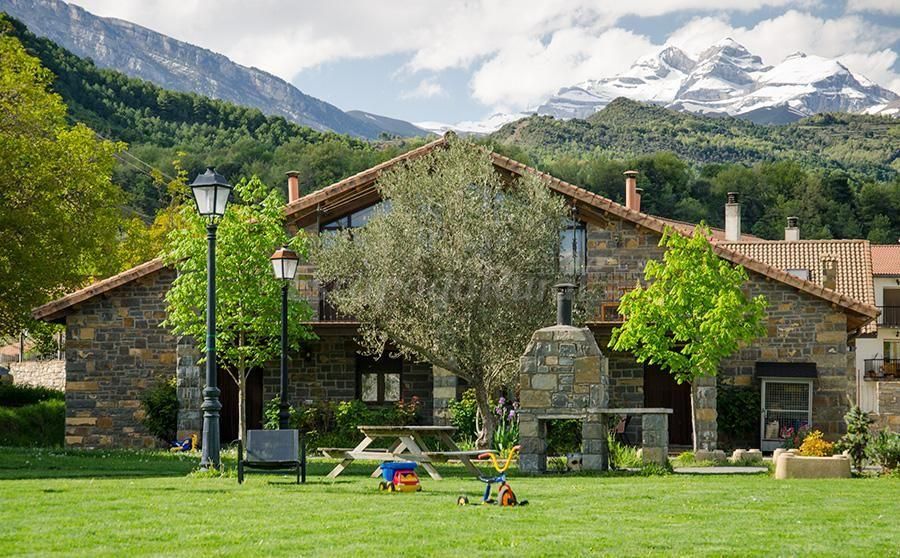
(882, 368)
(890, 316)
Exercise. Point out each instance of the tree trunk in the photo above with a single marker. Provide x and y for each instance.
(242, 405)
(488, 420)
(694, 420)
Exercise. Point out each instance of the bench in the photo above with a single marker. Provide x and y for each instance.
(273, 450)
(386, 455)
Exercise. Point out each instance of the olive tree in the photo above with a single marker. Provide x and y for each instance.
(692, 313)
(458, 272)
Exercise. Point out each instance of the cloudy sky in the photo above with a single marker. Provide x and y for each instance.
(464, 60)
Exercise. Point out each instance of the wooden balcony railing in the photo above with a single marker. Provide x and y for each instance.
(890, 316)
(882, 368)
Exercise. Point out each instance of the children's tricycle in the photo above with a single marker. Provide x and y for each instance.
(399, 476)
(505, 494)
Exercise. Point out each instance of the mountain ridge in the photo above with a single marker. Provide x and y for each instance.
(180, 66)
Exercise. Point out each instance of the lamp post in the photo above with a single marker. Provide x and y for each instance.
(284, 264)
(211, 192)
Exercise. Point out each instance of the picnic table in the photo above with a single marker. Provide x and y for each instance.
(408, 445)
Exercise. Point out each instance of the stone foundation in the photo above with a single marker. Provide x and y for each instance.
(39, 373)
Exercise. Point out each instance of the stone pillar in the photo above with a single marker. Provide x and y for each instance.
(533, 442)
(655, 438)
(705, 414)
(189, 387)
(443, 392)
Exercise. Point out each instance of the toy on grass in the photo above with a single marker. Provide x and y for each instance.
(188, 444)
(505, 494)
(399, 476)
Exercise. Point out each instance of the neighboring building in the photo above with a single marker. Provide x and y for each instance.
(116, 348)
(878, 350)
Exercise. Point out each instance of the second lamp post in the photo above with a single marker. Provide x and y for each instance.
(284, 264)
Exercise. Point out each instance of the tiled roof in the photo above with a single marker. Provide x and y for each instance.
(886, 259)
(56, 309)
(854, 262)
(717, 234)
(861, 312)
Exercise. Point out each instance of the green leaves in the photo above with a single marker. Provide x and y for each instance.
(248, 309)
(59, 210)
(692, 313)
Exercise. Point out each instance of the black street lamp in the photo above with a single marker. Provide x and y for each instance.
(284, 264)
(211, 193)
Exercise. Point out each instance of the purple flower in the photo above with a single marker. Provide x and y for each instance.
(501, 402)
(512, 414)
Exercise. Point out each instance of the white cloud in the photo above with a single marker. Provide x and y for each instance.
(427, 88)
(883, 6)
(518, 51)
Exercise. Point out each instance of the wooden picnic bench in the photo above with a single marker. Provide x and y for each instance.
(408, 445)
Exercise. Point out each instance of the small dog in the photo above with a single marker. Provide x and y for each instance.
(573, 461)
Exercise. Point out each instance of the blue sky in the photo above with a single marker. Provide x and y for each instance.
(440, 61)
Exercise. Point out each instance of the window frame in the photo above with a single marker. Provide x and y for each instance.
(381, 368)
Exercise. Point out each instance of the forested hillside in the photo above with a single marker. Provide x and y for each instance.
(161, 126)
(837, 172)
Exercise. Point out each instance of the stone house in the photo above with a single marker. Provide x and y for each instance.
(116, 348)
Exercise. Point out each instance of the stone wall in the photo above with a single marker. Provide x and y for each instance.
(116, 350)
(799, 328)
(39, 373)
(888, 405)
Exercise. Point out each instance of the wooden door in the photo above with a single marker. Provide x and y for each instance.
(228, 419)
(661, 390)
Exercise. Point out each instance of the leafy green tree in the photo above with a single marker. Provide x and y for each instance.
(248, 297)
(59, 211)
(858, 436)
(692, 313)
(459, 271)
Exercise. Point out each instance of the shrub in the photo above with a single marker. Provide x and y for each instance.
(160, 405)
(814, 446)
(857, 437)
(884, 449)
(463, 415)
(738, 418)
(12, 395)
(38, 424)
(622, 456)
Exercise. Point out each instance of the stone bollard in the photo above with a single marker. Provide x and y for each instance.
(655, 438)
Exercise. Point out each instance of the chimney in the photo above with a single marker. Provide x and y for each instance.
(792, 231)
(293, 186)
(564, 292)
(829, 273)
(632, 197)
(638, 194)
(732, 218)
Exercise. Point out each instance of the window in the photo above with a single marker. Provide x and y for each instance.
(378, 381)
(357, 218)
(573, 249)
(892, 349)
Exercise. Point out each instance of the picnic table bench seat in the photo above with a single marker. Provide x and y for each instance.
(385, 454)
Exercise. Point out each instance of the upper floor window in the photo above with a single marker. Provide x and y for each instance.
(573, 249)
(357, 218)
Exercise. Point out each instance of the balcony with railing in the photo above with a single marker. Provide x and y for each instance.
(890, 316)
(882, 368)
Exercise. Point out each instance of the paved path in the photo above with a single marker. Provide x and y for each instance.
(720, 470)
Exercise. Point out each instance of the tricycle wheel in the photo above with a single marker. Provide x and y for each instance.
(382, 486)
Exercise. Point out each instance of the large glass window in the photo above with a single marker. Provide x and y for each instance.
(573, 249)
(357, 218)
(378, 381)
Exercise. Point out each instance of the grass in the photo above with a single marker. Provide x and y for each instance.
(139, 503)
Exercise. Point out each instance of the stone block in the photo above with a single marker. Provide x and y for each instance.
(594, 462)
(559, 400)
(706, 414)
(74, 440)
(593, 430)
(90, 386)
(658, 456)
(792, 466)
(587, 370)
(532, 463)
(544, 381)
(81, 421)
(534, 398)
(528, 428)
(654, 438)
(655, 422)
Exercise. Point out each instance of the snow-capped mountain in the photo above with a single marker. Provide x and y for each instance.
(727, 79)
(473, 127)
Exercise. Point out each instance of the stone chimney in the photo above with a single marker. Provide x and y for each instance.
(792, 231)
(632, 196)
(293, 186)
(829, 273)
(732, 218)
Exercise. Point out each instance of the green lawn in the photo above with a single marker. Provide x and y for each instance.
(125, 504)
